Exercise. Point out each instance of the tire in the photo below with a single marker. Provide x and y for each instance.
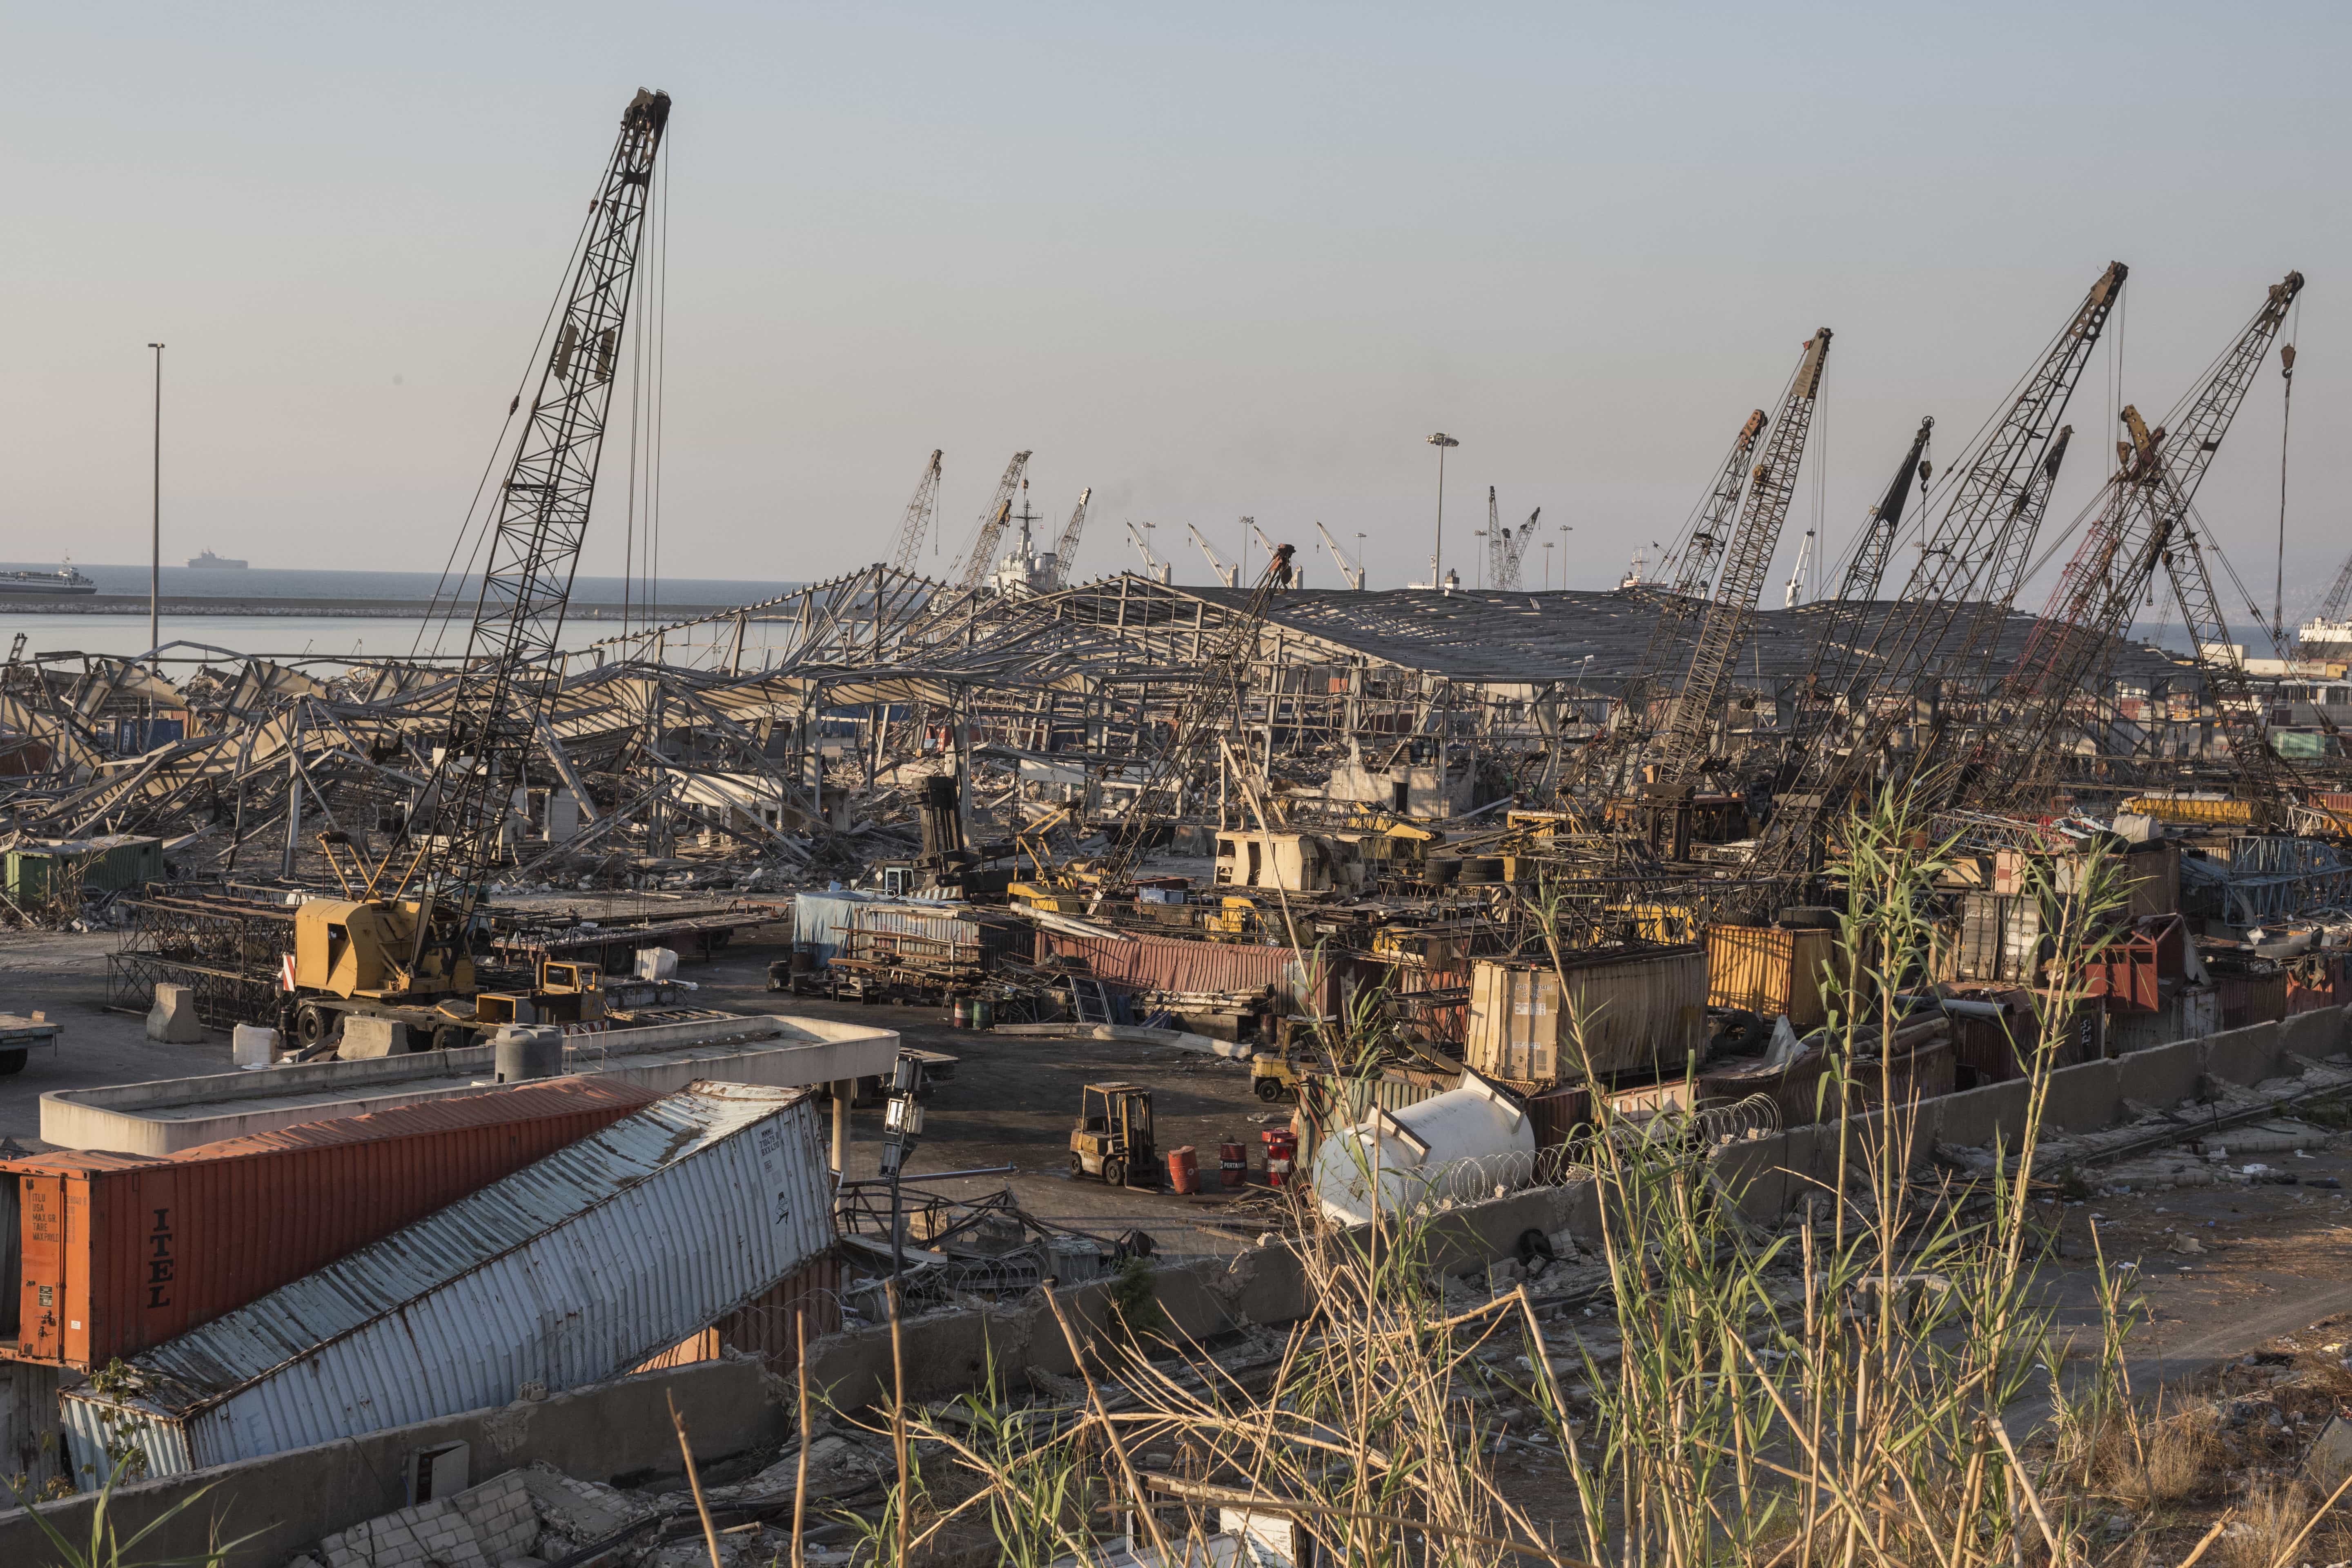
(1114, 1172)
(1269, 1090)
(13, 1062)
(450, 1036)
(312, 1024)
(1077, 1165)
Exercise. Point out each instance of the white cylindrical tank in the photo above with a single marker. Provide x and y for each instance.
(1460, 1144)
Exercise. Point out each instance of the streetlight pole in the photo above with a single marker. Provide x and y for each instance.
(155, 518)
(1437, 552)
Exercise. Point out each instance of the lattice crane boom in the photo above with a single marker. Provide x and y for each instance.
(2338, 596)
(1066, 549)
(1866, 571)
(1772, 490)
(512, 668)
(992, 524)
(1899, 662)
(917, 520)
(2140, 527)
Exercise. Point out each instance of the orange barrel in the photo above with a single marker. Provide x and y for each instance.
(1183, 1170)
(1232, 1165)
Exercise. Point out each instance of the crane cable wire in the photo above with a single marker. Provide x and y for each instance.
(479, 530)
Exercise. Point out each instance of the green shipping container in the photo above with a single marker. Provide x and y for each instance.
(39, 872)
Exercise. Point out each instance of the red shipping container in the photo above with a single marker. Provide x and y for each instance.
(121, 1251)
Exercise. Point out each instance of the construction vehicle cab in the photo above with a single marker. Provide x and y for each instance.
(351, 948)
(1113, 1137)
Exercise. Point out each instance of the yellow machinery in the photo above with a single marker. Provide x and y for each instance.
(359, 947)
(1113, 1137)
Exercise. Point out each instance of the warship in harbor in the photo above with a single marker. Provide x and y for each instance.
(65, 580)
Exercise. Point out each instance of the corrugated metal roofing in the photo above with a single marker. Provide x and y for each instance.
(568, 1272)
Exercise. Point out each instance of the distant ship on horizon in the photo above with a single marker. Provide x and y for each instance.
(65, 581)
(209, 560)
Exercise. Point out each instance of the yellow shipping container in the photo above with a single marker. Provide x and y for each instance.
(1770, 970)
(1640, 1011)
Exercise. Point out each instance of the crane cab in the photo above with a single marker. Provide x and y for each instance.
(359, 948)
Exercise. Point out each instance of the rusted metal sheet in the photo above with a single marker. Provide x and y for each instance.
(121, 1251)
(1309, 982)
(2251, 998)
(570, 1272)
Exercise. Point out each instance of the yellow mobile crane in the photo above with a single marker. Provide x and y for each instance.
(400, 944)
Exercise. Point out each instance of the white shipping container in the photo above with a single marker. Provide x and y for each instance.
(569, 1272)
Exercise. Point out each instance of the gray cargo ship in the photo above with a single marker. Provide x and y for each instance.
(65, 581)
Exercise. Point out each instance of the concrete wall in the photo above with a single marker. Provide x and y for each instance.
(1772, 1173)
(170, 1114)
(297, 1498)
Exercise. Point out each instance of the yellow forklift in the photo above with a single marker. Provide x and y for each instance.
(1113, 1137)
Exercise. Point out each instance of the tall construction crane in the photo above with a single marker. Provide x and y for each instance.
(1899, 661)
(1865, 569)
(1298, 573)
(1604, 759)
(386, 945)
(1771, 488)
(2333, 608)
(1505, 547)
(992, 524)
(917, 520)
(1689, 564)
(2005, 571)
(1203, 716)
(1227, 576)
(2144, 525)
(1515, 549)
(1158, 570)
(1350, 573)
(1066, 549)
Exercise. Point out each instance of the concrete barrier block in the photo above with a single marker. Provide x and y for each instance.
(173, 1019)
(2244, 1056)
(366, 1037)
(252, 1047)
(2318, 1034)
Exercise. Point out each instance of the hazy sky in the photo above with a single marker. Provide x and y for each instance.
(1208, 259)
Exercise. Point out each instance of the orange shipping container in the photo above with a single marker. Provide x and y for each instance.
(119, 1252)
(1771, 970)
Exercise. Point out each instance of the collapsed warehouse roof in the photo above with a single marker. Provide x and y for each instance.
(783, 733)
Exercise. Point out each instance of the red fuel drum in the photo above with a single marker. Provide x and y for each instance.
(119, 1252)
